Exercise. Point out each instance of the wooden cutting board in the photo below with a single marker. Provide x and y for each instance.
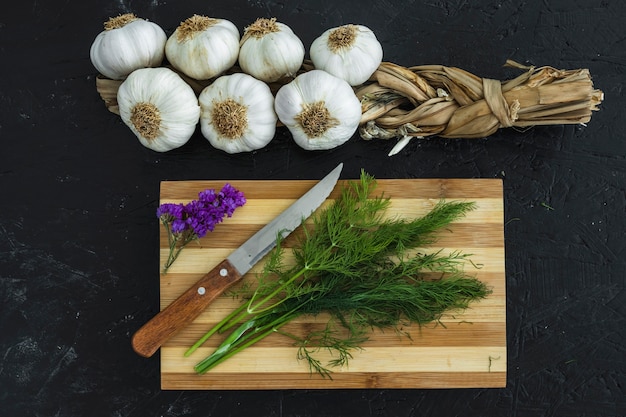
(465, 350)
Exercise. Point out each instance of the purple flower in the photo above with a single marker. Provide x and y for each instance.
(207, 196)
(198, 217)
(170, 211)
(178, 226)
(231, 199)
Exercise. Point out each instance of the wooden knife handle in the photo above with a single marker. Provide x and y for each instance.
(182, 311)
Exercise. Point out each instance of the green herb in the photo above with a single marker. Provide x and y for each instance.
(362, 267)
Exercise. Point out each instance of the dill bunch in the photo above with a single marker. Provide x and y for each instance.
(363, 268)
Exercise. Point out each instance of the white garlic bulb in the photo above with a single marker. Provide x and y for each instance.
(159, 107)
(203, 47)
(350, 52)
(270, 50)
(320, 110)
(126, 44)
(237, 113)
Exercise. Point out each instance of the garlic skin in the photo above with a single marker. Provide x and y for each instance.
(350, 52)
(270, 50)
(127, 43)
(159, 107)
(237, 113)
(320, 110)
(202, 47)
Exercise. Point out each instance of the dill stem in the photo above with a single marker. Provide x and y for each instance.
(240, 339)
(241, 313)
(237, 315)
(229, 321)
(253, 309)
(224, 324)
(211, 362)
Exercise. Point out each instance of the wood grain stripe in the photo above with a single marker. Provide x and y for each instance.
(261, 212)
(288, 189)
(200, 260)
(472, 234)
(355, 380)
(392, 359)
(462, 333)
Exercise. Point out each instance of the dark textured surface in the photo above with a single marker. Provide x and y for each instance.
(78, 237)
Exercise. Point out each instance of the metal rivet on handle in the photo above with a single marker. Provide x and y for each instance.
(223, 272)
(201, 290)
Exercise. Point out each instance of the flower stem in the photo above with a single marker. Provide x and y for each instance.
(174, 252)
(175, 247)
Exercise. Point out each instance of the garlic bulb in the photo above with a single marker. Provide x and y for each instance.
(159, 107)
(202, 47)
(320, 110)
(350, 52)
(270, 50)
(126, 44)
(237, 113)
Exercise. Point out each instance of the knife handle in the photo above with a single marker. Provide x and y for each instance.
(182, 311)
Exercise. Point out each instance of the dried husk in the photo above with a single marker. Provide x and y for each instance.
(107, 88)
(452, 103)
(435, 100)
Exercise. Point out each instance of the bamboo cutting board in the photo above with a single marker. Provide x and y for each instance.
(465, 350)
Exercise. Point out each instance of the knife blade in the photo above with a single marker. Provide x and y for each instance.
(182, 311)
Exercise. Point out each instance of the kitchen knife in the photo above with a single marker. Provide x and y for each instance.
(182, 311)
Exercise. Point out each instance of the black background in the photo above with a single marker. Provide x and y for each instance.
(78, 234)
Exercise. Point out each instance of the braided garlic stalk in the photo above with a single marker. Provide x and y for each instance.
(449, 102)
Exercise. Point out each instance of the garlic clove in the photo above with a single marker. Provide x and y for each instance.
(237, 113)
(159, 107)
(127, 43)
(270, 50)
(202, 47)
(320, 110)
(350, 52)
